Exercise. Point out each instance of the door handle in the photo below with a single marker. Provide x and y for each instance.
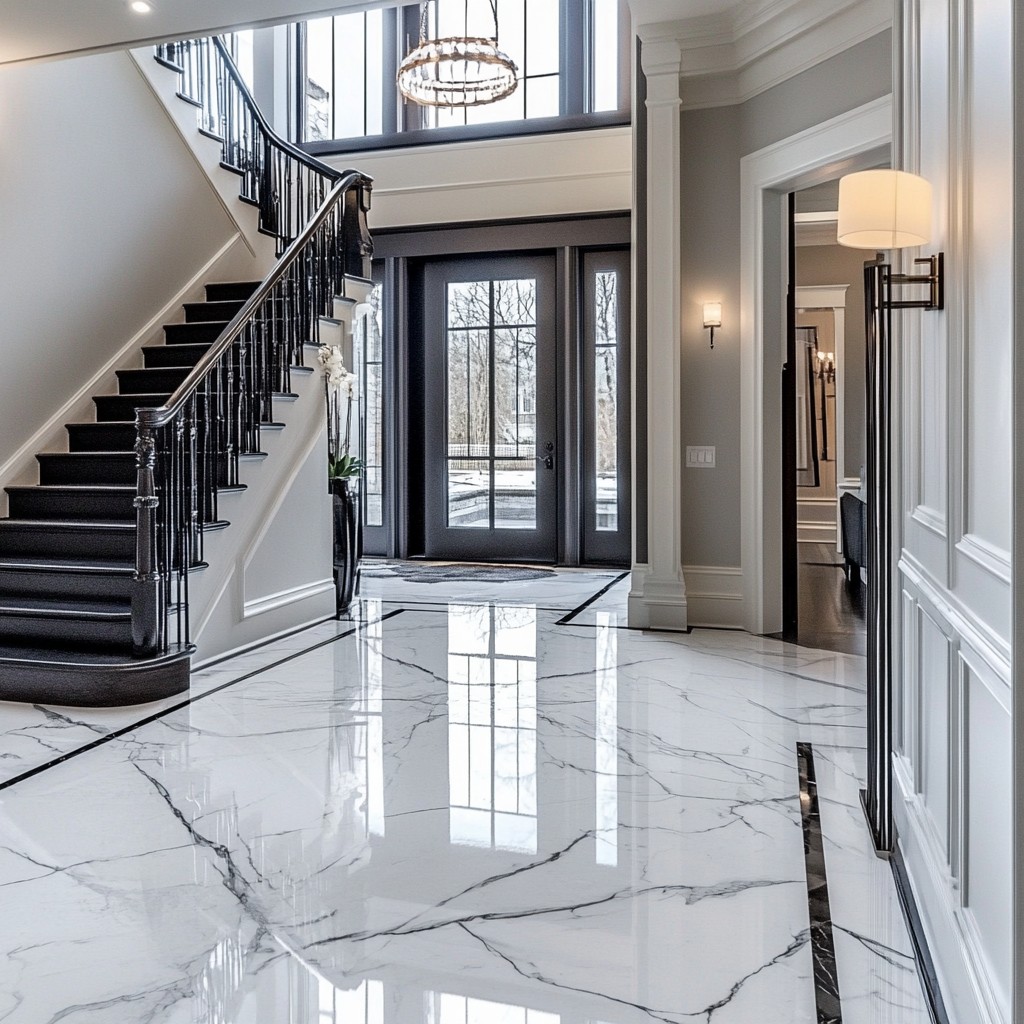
(549, 459)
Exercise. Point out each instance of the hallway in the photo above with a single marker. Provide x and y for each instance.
(831, 608)
(457, 810)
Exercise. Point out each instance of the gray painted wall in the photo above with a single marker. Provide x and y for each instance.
(106, 217)
(833, 264)
(713, 142)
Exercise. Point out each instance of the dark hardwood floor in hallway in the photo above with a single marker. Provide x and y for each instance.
(830, 609)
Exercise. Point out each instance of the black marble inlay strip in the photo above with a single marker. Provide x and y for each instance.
(164, 712)
(566, 619)
(823, 950)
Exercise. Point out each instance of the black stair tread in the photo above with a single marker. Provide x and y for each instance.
(156, 400)
(62, 566)
(73, 488)
(91, 456)
(223, 306)
(93, 488)
(113, 454)
(181, 349)
(108, 525)
(65, 607)
(182, 368)
(185, 333)
(86, 658)
(149, 377)
(120, 404)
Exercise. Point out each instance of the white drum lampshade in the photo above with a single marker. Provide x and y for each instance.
(884, 209)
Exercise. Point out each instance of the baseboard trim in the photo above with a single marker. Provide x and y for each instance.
(286, 597)
(922, 954)
(816, 533)
(714, 595)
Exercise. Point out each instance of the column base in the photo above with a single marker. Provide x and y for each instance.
(656, 603)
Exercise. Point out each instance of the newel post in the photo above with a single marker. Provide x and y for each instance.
(147, 583)
(358, 243)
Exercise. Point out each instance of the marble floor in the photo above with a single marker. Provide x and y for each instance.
(456, 807)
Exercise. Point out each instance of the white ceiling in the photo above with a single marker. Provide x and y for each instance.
(41, 29)
(38, 29)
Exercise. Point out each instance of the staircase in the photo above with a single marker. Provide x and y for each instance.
(67, 550)
(95, 559)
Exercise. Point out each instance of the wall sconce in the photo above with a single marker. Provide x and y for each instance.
(827, 367)
(886, 209)
(712, 318)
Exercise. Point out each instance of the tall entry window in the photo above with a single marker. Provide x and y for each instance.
(572, 55)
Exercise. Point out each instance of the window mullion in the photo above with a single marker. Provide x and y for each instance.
(392, 38)
(572, 26)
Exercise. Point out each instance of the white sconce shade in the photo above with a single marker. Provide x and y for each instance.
(884, 209)
(712, 314)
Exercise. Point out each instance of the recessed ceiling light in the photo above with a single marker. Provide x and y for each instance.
(141, 6)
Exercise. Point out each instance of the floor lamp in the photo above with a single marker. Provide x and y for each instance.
(884, 210)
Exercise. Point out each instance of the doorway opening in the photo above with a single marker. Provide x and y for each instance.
(827, 513)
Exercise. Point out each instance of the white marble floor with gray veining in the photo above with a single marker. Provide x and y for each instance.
(456, 813)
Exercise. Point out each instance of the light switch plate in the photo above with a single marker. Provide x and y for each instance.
(700, 456)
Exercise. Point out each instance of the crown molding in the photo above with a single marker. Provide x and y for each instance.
(729, 56)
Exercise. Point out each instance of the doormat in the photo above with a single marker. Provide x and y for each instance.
(461, 573)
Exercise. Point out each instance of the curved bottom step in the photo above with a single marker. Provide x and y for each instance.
(94, 680)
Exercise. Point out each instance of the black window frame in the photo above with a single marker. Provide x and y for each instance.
(401, 25)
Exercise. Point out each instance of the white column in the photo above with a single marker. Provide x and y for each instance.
(657, 598)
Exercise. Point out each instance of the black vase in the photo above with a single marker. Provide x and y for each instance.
(348, 542)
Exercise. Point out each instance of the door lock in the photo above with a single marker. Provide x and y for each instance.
(548, 460)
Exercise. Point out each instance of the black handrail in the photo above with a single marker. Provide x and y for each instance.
(189, 448)
(160, 417)
(283, 181)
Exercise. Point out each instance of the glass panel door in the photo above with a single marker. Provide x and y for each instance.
(489, 405)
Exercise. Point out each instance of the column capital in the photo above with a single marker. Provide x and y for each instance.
(661, 56)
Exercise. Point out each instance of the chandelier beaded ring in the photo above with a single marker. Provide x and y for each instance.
(457, 71)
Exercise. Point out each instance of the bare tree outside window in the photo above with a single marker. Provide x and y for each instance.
(491, 403)
(606, 413)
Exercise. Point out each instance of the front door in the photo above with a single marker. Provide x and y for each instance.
(491, 447)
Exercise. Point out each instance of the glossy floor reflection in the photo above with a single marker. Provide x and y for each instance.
(459, 814)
